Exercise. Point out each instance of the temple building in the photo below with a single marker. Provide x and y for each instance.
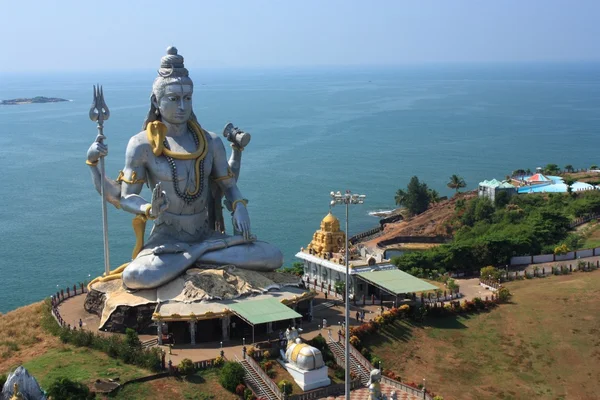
(325, 268)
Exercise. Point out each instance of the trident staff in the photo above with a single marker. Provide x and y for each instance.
(99, 113)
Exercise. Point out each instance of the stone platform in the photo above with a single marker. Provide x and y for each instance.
(198, 291)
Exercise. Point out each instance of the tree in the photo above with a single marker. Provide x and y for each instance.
(434, 196)
(594, 166)
(519, 172)
(551, 169)
(456, 182)
(231, 375)
(569, 182)
(297, 269)
(66, 389)
(569, 168)
(415, 198)
(400, 197)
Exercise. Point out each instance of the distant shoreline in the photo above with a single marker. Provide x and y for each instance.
(33, 100)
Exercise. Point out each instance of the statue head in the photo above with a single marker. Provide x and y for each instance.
(171, 99)
(375, 376)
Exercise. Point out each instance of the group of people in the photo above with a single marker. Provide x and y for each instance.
(360, 316)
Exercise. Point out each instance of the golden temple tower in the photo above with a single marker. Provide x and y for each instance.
(329, 239)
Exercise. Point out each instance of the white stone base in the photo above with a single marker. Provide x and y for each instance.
(308, 380)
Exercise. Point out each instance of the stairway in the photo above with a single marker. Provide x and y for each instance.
(256, 383)
(355, 366)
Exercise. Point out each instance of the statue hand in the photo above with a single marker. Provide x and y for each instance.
(241, 220)
(97, 149)
(160, 201)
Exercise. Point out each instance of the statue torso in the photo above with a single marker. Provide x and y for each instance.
(159, 169)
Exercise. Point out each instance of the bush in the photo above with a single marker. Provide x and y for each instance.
(132, 340)
(366, 353)
(186, 367)
(375, 361)
(248, 395)
(219, 361)
(239, 389)
(490, 272)
(2, 381)
(231, 375)
(66, 389)
(355, 341)
(504, 295)
(285, 386)
(340, 373)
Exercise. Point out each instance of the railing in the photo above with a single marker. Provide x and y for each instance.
(405, 388)
(365, 234)
(362, 370)
(210, 363)
(331, 390)
(263, 375)
(150, 343)
(249, 378)
(440, 299)
(61, 296)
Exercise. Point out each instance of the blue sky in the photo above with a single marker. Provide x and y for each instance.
(130, 34)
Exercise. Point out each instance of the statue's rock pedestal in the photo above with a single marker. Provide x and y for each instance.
(308, 380)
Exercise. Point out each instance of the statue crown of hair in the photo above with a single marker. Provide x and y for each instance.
(171, 65)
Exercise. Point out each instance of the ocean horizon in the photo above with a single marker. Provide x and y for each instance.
(314, 130)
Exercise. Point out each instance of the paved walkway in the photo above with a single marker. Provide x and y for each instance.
(363, 394)
(331, 310)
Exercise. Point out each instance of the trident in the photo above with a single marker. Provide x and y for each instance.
(99, 113)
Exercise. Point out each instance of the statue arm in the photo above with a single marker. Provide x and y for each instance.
(133, 177)
(225, 179)
(222, 174)
(113, 189)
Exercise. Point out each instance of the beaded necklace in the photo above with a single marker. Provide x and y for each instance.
(187, 196)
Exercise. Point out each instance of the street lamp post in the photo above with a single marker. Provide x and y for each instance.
(347, 199)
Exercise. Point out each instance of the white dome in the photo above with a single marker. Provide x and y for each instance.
(304, 356)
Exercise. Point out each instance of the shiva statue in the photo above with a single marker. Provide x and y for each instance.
(187, 169)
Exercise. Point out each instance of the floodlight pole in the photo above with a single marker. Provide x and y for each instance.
(347, 199)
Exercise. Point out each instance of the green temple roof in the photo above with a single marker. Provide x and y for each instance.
(261, 311)
(396, 281)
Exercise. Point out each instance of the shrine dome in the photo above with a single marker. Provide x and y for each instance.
(330, 223)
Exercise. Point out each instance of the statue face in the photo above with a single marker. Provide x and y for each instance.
(175, 105)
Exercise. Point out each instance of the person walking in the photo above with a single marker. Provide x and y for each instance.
(357, 316)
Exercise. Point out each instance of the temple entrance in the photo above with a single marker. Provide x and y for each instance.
(209, 330)
(180, 331)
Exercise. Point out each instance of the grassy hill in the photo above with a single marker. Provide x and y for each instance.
(543, 345)
(24, 341)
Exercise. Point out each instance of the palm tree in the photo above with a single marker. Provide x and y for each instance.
(400, 197)
(456, 182)
(569, 168)
(434, 196)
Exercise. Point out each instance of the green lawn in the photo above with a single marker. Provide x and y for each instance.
(80, 364)
(544, 345)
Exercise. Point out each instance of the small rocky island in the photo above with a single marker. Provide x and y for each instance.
(38, 99)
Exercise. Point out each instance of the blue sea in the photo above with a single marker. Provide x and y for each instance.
(313, 131)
